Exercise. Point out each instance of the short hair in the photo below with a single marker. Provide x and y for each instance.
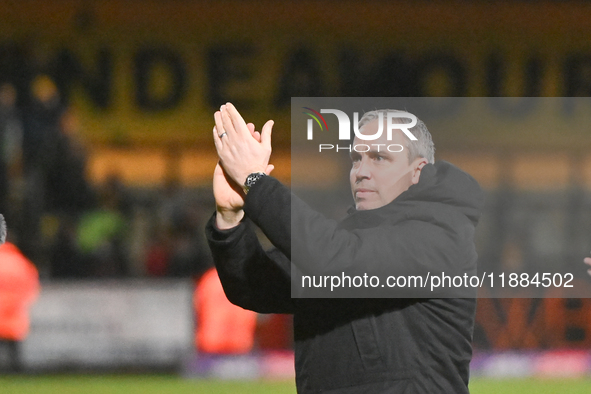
(2, 229)
(422, 147)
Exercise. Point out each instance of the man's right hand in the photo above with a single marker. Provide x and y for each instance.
(229, 196)
(229, 199)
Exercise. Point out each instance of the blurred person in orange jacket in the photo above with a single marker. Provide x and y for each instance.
(19, 286)
(222, 328)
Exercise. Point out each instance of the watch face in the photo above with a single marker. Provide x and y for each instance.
(252, 178)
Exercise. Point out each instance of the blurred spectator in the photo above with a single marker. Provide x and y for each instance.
(189, 255)
(101, 233)
(158, 255)
(42, 122)
(221, 326)
(11, 134)
(172, 204)
(40, 143)
(65, 258)
(68, 195)
(177, 248)
(115, 190)
(67, 190)
(19, 286)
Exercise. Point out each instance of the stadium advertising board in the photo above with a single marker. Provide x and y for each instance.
(110, 324)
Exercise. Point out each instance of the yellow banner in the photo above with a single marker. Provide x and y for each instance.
(154, 71)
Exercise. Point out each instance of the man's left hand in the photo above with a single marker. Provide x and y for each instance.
(239, 151)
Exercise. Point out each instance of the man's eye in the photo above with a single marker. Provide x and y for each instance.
(378, 158)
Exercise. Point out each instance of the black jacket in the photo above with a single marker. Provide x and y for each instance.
(385, 345)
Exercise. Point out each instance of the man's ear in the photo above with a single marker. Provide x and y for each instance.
(418, 165)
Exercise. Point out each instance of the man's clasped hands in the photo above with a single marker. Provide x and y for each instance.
(242, 151)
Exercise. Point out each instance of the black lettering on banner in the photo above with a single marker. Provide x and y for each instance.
(66, 70)
(300, 78)
(577, 79)
(228, 64)
(449, 65)
(496, 81)
(389, 76)
(145, 61)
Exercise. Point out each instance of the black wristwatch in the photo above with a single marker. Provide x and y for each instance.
(252, 179)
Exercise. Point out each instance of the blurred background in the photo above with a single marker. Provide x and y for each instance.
(106, 160)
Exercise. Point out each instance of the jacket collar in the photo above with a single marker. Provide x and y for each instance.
(441, 182)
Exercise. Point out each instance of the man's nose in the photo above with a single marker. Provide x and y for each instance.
(362, 170)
